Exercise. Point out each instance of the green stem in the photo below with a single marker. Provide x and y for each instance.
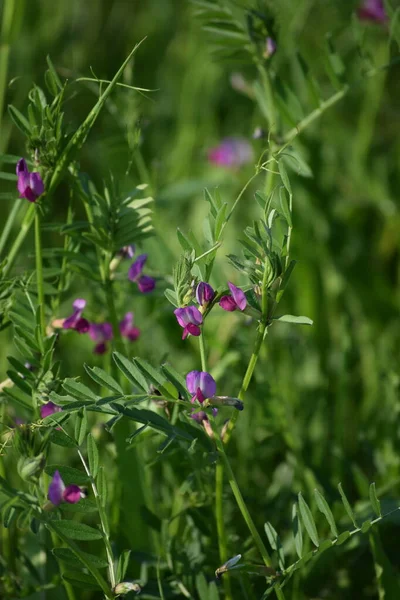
(103, 522)
(202, 352)
(39, 272)
(19, 240)
(219, 517)
(17, 204)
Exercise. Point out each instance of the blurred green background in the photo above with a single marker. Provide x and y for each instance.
(323, 406)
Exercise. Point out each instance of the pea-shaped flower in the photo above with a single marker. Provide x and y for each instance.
(49, 409)
(76, 321)
(201, 385)
(145, 283)
(236, 300)
(59, 492)
(204, 293)
(189, 318)
(30, 185)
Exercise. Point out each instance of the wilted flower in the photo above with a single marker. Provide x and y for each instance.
(100, 333)
(76, 321)
(231, 152)
(201, 385)
(235, 301)
(127, 328)
(204, 293)
(59, 492)
(145, 283)
(270, 47)
(127, 251)
(189, 318)
(30, 185)
(372, 10)
(49, 409)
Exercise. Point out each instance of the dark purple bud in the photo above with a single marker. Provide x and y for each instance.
(201, 385)
(199, 416)
(56, 489)
(22, 167)
(127, 251)
(372, 10)
(100, 348)
(204, 293)
(72, 321)
(146, 284)
(49, 409)
(136, 268)
(72, 494)
(30, 185)
(82, 325)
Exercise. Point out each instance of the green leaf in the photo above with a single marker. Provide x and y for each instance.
(285, 177)
(376, 505)
(78, 390)
(130, 371)
(81, 580)
(186, 245)
(308, 520)
(347, 506)
(326, 511)
(176, 378)
(60, 438)
(167, 389)
(76, 531)
(85, 505)
(93, 455)
(81, 426)
(102, 486)
(275, 544)
(66, 555)
(104, 379)
(19, 120)
(123, 563)
(298, 535)
(293, 319)
(285, 207)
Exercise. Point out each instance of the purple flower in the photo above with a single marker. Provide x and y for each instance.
(270, 47)
(236, 301)
(145, 283)
(127, 251)
(201, 385)
(204, 293)
(199, 416)
(59, 492)
(189, 318)
(100, 333)
(76, 321)
(127, 329)
(49, 409)
(30, 185)
(372, 10)
(231, 153)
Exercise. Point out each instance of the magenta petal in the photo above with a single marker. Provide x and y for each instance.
(72, 494)
(23, 183)
(100, 348)
(126, 323)
(192, 381)
(79, 304)
(199, 416)
(193, 329)
(204, 293)
(36, 184)
(146, 284)
(82, 325)
(133, 334)
(136, 268)
(201, 384)
(56, 489)
(22, 167)
(49, 409)
(238, 296)
(228, 303)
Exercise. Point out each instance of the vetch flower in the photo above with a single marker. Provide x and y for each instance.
(127, 328)
(189, 318)
(237, 299)
(201, 385)
(30, 185)
(144, 282)
(76, 321)
(231, 153)
(372, 10)
(204, 293)
(100, 333)
(270, 47)
(49, 409)
(59, 492)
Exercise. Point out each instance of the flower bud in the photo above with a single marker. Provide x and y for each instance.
(30, 467)
(125, 587)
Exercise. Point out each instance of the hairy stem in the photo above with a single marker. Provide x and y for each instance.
(39, 272)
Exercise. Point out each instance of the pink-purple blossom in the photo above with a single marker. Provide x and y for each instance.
(59, 492)
(100, 333)
(76, 321)
(204, 293)
(236, 300)
(201, 385)
(145, 283)
(127, 328)
(231, 153)
(189, 318)
(372, 10)
(29, 184)
(49, 409)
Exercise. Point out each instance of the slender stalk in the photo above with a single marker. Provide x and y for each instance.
(103, 522)
(39, 272)
(202, 352)
(17, 204)
(19, 240)
(219, 517)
